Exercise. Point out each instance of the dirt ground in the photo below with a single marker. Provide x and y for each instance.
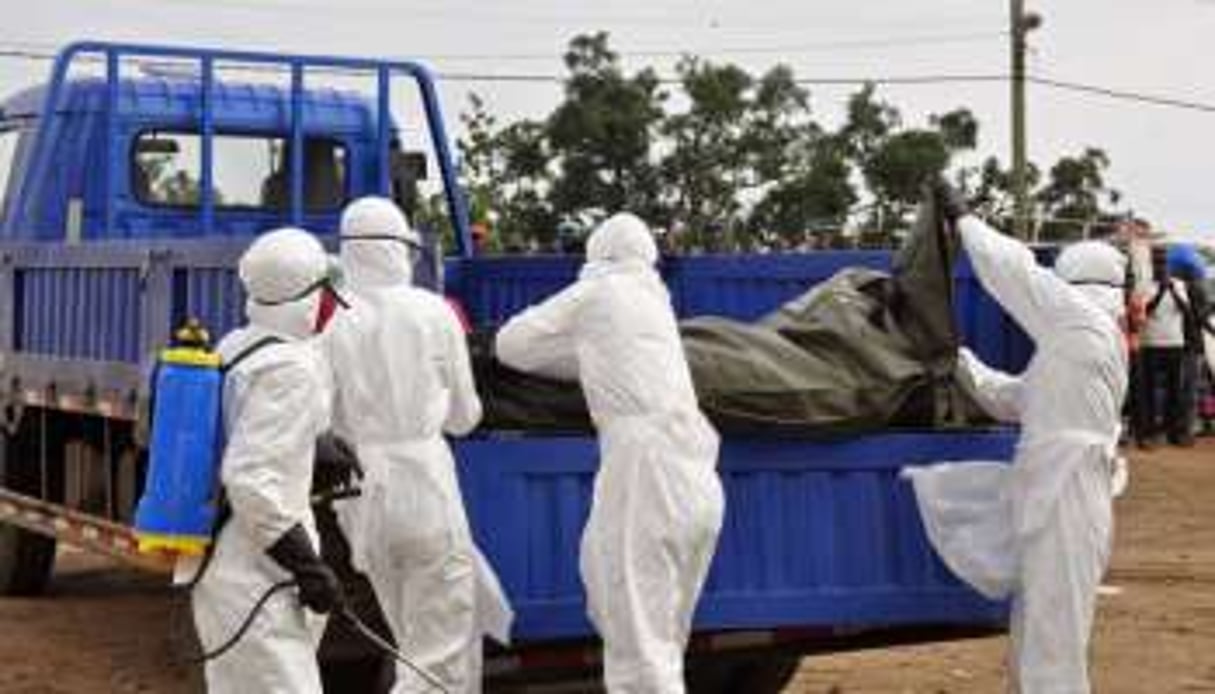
(1156, 619)
(104, 629)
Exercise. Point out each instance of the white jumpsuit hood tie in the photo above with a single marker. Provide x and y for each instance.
(657, 503)
(1040, 529)
(402, 381)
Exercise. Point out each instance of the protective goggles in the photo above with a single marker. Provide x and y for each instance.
(1097, 283)
(324, 284)
(409, 243)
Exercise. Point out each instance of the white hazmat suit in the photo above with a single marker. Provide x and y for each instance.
(1040, 530)
(402, 380)
(657, 505)
(274, 407)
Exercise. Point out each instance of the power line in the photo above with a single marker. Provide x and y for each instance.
(672, 80)
(887, 42)
(542, 78)
(769, 49)
(1123, 95)
(15, 51)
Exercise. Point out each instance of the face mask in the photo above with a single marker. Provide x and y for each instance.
(327, 307)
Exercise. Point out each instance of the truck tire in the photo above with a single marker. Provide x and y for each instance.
(767, 673)
(26, 559)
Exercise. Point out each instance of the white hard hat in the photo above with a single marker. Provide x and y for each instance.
(1093, 263)
(623, 237)
(282, 266)
(376, 218)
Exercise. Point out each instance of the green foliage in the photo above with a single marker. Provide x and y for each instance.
(601, 135)
(172, 186)
(731, 160)
(1075, 194)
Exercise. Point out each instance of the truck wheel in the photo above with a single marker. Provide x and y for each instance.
(26, 559)
(755, 674)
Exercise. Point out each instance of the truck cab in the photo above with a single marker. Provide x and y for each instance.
(137, 169)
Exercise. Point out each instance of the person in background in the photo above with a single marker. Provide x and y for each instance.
(1165, 353)
(1133, 323)
(1193, 360)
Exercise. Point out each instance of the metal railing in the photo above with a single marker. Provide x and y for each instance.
(298, 66)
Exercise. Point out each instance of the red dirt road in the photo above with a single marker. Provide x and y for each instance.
(1155, 629)
(104, 629)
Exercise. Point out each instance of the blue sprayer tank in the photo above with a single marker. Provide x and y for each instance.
(179, 505)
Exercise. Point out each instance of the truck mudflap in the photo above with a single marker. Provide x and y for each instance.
(80, 530)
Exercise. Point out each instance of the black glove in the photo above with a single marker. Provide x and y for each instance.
(336, 464)
(950, 201)
(319, 588)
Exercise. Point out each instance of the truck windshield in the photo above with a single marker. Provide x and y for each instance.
(9, 136)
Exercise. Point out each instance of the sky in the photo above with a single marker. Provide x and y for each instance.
(1159, 155)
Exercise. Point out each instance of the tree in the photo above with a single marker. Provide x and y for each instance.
(779, 125)
(740, 163)
(810, 202)
(804, 170)
(989, 187)
(601, 134)
(897, 163)
(505, 172)
(1075, 195)
(169, 184)
(482, 172)
(707, 165)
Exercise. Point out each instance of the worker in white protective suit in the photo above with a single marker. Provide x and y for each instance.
(657, 505)
(1040, 530)
(275, 406)
(402, 380)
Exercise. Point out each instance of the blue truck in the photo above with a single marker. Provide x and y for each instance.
(133, 178)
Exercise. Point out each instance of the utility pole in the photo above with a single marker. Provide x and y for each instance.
(1021, 24)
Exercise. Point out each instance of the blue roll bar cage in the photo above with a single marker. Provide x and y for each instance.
(297, 65)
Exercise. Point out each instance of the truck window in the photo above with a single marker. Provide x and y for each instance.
(248, 171)
(8, 155)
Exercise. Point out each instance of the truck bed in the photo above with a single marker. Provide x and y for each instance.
(83, 322)
(817, 533)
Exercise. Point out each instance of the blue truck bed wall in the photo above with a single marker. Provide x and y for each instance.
(817, 534)
(742, 287)
(86, 321)
(87, 318)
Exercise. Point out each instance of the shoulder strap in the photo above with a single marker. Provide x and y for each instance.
(224, 510)
(1183, 304)
(249, 351)
(1161, 288)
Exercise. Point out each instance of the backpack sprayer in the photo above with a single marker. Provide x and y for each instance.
(182, 508)
(179, 509)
